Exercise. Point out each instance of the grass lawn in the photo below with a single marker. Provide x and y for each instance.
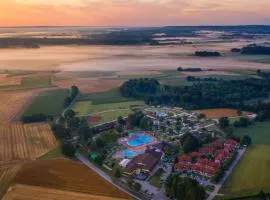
(155, 178)
(110, 96)
(108, 111)
(48, 103)
(259, 132)
(31, 82)
(55, 153)
(251, 175)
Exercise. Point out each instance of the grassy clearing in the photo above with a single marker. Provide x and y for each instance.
(108, 112)
(48, 103)
(252, 173)
(110, 96)
(155, 179)
(31, 82)
(259, 132)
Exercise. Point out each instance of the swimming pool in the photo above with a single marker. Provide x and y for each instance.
(131, 154)
(139, 141)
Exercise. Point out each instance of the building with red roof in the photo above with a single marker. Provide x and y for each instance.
(185, 158)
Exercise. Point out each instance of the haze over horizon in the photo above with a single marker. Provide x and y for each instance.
(133, 12)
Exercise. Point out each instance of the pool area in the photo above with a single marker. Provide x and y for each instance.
(141, 140)
(135, 143)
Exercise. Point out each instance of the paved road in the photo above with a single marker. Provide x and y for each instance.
(227, 173)
(101, 173)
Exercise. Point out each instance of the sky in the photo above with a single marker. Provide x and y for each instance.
(133, 12)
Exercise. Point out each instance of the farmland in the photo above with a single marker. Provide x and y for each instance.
(48, 103)
(12, 102)
(29, 82)
(23, 142)
(67, 175)
(110, 96)
(6, 176)
(251, 175)
(27, 192)
(220, 112)
(259, 132)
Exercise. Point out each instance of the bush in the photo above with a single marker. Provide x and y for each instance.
(34, 118)
(68, 149)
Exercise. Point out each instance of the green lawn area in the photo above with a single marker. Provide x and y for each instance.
(55, 153)
(251, 175)
(155, 178)
(48, 103)
(108, 111)
(259, 132)
(110, 96)
(31, 82)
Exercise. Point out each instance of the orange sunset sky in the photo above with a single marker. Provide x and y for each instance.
(133, 12)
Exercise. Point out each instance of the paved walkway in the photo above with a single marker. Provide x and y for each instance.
(227, 173)
(101, 173)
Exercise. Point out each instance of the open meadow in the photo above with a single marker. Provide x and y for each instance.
(259, 132)
(251, 175)
(66, 175)
(24, 142)
(48, 103)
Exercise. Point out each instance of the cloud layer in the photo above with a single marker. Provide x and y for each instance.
(133, 12)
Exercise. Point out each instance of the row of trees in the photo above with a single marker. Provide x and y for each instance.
(74, 91)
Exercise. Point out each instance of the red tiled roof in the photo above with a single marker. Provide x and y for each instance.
(206, 150)
(195, 154)
(230, 143)
(185, 158)
(182, 166)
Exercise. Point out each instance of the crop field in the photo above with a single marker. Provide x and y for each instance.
(30, 82)
(251, 175)
(6, 80)
(220, 112)
(106, 112)
(88, 85)
(67, 175)
(110, 96)
(259, 132)
(27, 192)
(48, 103)
(24, 142)
(6, 176)
(11, 103)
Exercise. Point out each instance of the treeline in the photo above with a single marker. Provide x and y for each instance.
(207, 53)
(179, 188)
(195, 69)
(256, 50)
(74, 91)
(216, 94)
(35, 118)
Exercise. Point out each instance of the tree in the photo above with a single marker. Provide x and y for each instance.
(224, 122)
(68, 149)
(137, 186)
(246, 140)
(69, 114)
(84, 132)
(60, 131)
(117, 173)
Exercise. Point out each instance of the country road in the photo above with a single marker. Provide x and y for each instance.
(102, 174)
(227, 173)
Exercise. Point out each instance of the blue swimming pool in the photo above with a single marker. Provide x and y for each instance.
(131, 154)
(139, 141)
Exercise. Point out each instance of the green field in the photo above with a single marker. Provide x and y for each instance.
(48, 103)
(260, 132)
(110, 96)
(251, 175)
(108, 111)
(31, 82)
(55, 153)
